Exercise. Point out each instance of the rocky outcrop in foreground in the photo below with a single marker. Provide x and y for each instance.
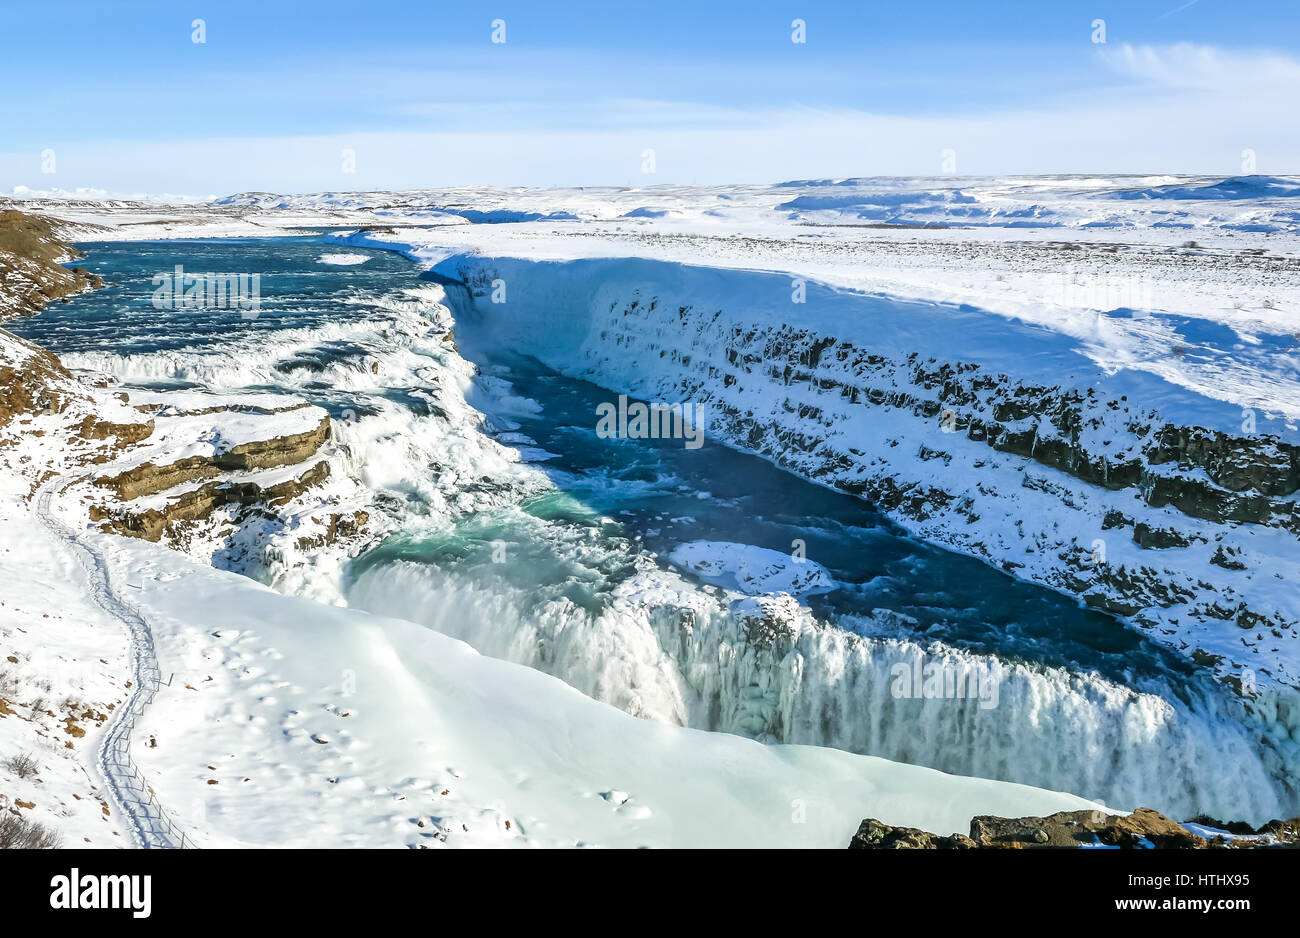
(250, 482)
(201, 503)
(1143, 829)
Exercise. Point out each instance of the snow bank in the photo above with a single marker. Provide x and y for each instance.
(662, 649)
(752, 570)
(293, 724)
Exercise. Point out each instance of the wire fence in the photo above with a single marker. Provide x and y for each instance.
(154, 824)
(146, 802)
(157, 827)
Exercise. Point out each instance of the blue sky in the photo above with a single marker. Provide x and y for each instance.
(579, 91)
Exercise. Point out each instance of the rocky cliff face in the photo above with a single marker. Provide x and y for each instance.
(199, 505)
(1101, 447)
(32, 274)
(33, 381)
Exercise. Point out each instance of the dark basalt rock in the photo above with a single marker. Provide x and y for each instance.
(1227, 559)
(1151, 538)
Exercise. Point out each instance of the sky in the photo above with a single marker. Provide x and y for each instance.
(326, 95)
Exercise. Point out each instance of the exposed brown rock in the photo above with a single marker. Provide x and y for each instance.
(38, 384)
(1143, 829)
(877, 835)
(30, 271)
(1287, 831)
(92, 428)
(338, 526)
(149, 479)
(200, 503)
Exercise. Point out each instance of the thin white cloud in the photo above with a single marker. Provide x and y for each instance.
(1207, 68)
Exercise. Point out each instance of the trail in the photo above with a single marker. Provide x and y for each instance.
(150, 826)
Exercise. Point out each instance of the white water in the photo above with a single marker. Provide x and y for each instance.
(660, 648)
